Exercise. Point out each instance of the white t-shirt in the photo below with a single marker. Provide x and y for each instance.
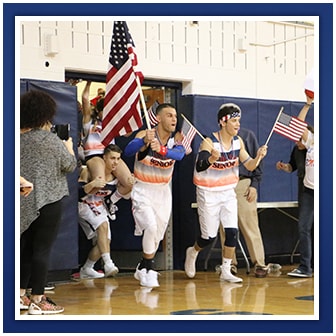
(308, 180)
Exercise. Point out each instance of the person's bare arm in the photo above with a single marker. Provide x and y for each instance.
(86, 103)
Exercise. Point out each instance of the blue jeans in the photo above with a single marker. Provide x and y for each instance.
(306, 219)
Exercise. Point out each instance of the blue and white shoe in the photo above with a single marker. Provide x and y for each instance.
(299, 274)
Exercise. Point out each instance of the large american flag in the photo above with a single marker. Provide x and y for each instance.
(290, 127)
(188, 131)
(122, 113)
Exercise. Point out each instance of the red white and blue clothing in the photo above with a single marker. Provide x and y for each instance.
(215, 190)
(151, 194)
(308, 180)
(92, 144)
(92, 210)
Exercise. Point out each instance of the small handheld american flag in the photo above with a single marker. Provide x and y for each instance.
(188, 131)
(290, 127)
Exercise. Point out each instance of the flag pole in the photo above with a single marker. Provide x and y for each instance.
(202, 137)
(142, 99)
(272, 130)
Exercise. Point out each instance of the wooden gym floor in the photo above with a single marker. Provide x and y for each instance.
(276, 294)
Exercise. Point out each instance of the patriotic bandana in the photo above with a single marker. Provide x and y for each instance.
(228, 111)
(235, 114)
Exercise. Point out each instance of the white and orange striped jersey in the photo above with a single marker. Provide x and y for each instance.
(155, 168)
(224, 173)
(92, 144)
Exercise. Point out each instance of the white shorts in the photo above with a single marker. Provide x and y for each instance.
(91, 222)
(215, 207)
(151, 206)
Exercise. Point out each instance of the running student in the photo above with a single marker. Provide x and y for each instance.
(216, 175)
(156, 151)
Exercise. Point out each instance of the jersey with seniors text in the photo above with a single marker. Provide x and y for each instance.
(155, 168)
(224, 173)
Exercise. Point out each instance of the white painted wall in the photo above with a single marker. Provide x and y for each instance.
(205, 57)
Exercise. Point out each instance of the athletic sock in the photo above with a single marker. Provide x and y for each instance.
(106, 258)
(89, 263)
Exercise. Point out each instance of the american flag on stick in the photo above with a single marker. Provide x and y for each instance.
(290, 127)
(152, 114)
(188, 131)
(121, 114)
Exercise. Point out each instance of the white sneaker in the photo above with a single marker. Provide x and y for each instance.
(87, 273)
(140, 274)
(190, 261)
(226, 275)
(151, 279)
(147, 279)
(110, 270)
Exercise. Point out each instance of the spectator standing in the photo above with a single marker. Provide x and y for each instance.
(45, 160)
(306, 208)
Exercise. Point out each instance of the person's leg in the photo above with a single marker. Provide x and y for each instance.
(101, 249)
(208, 217)
(44, 233)
(306, 219)
(26, 252)
(145, 271)
(96, 167)
(93, 257)
(125, 178)
(229, 221)
(151, 212)
(104, 246)
(123, 190)
(228, 253)
(234, 263)
(87, 271)
(248, 224)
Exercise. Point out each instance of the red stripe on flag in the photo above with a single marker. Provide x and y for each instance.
(122, 112)
(290, 127)
(118, 101)
(188, 133)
